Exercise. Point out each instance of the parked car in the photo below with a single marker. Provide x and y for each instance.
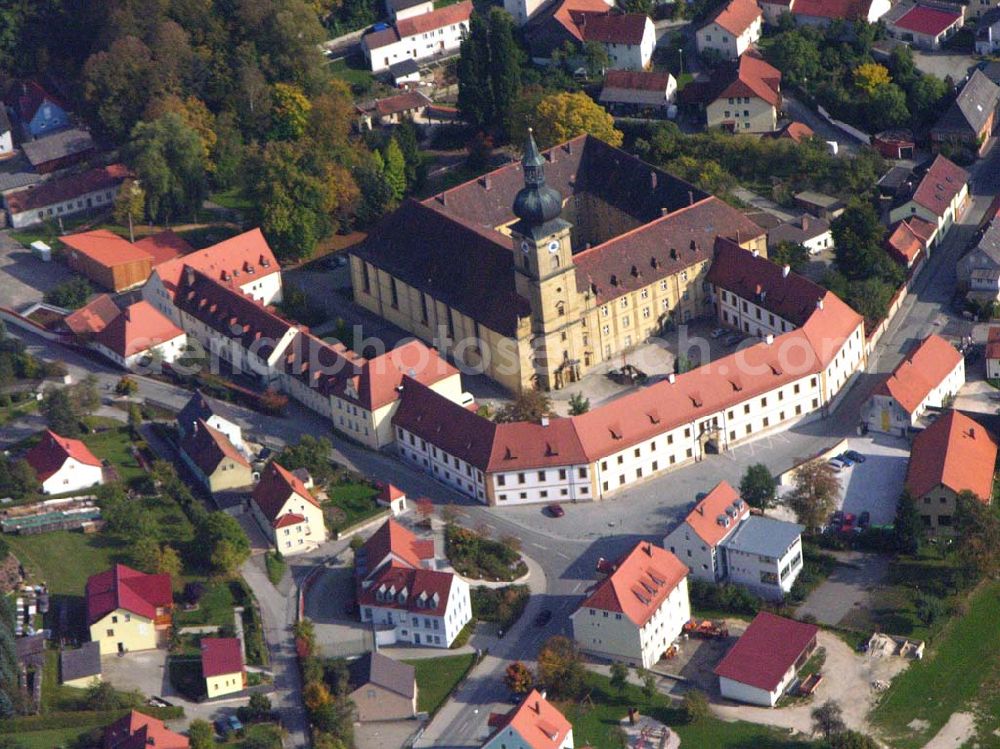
(843, 458)
(543, 618)
(837, 519)
(718, 332)
(234, 723)
(855, 456)
(555, 510)
(864, 519)
(847, 526)
(733, 339)
(836, 464)
(222, 727)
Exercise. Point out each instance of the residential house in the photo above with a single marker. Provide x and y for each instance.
(37, 111)
(993, 353)
(221, 416)
(139, 335)
(139, 731)
(628, 38)
(632, 92)
(64, 465)
(908, 241)
(213, 459)
(895, 144)
(6, 135)
(59, 150)
(732, 30)
(393, 109)
(93, 317)
(127, 609)
(637, 611)
(399, 10)
(971, 119)
(794, 131)
(80, 667)
(67, 196)
(988, 32)
(765, 660)
(382, 688)
(222, 666)
(534, 724)
(954, 454)
(392, 544)
(928, 377)
(824, 12)
(747, 97)
(940, 197)
(404, 73)
(421, 37)
(812, 233)
(288, 514)
(924, 24)
(696, 540)
(393, 497)
(114, 263)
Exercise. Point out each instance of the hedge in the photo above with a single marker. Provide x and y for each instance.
(83, 719)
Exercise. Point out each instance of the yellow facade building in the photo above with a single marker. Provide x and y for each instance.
(222, 666)
(127, 609)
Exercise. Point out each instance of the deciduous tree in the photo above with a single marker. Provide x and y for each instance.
(814, 495)
(695, 706)
(828, 719)
(560, 667)
(290, 112)
(528, 405)
(619, 677)
(518, 678)
(757, 487)
(169, 159)
(565, 115)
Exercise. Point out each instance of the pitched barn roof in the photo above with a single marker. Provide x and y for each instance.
(392, 540)
(94, 316)
(275, 487)
(138, 328)
(239, 260)
(67, 188)
(766, 650)
(208, 447)
(955, 451)
(139, 731)
(383, 671)
(943, 181)
(737, 16)
(722, 502)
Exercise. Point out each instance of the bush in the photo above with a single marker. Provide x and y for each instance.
(462, 638)
(728, 598)
(474, 555)
(503, 606)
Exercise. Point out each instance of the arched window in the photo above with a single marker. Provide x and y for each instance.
(553, 262)
(560, 309)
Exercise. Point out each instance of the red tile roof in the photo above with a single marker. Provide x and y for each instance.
(109, 249)
(921, 371)
(420, 584)
(568, 13)
(767, 649)
(49, 455)
(138, 328)
(956, 452)
(844, 10)
(703, 519)
(388, 492)
(926, 20)
(274, 489)
(613, 28)
(737, 16)
(122, 587)
(796, 131)
(208, 447)
(164, 246)
(94, 316)
(643, 579)
(754, 77)
(537, 722)
(139, 731)
(289, 519)
(220, 656)
(67, 188)
(447, 16)
(943, 181)
(393, 541)
(401, 103)
(637, 80)
(240, 259)
(904, 244)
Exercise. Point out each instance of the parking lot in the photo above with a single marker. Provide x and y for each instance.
(24, 278)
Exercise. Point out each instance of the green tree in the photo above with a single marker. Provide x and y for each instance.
(102, 697)
(17, 478)
(60, 413)
(505, 70)
(870, 76)
(694, 706)
(71, 294)
(929, 608)
(489, 73)
(290, 111)
(475, 96)
(169, 160)
(619, 677)
(758, 487)
(223, 544)
(116, 86)
(596, 58)
(578, 404)
(815, 493)
(201, 734)
(978, 525)
(311, 453)
(560, 667)
(528, 405)
(395, 169)
(648, 683)
(130, 203)
(908, 528)
(169, 562)
(145, 553)
(792, 254)
(852, 740)
(828, 719)
(565, 115)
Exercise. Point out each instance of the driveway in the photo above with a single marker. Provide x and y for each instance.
(944, 64)
(798, 111)
(875, 485)
(850, 586)
(24, 278)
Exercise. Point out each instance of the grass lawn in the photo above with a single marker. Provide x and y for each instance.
(349, 504)
(234, 199)
(962, 668)
(54, 738)
(215, 607)
(114, 445)
(65, 559)
(275, 567)
(16, 410)
(352, 70)
(437, 677)
(593, 725)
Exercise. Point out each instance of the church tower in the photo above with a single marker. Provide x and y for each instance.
(543, 259)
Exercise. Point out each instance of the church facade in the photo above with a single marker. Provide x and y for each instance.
(540, 270)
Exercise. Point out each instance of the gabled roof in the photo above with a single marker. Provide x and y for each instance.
(122, 587)
(904, 243)
(796, 131)
(972, 109)
(637, 80)
(58, 145)
(717, 514)
(139, 731)
(289, 519)
(643, 579)
(208, 447)
(423, 23)
(241, 259)
(427, 591)
(920, 372)
(79, 663)
(221, 655)
(943, 181)
(955, 451)
(393, 541)
(27, 97)
(276, 486)
(382, 671)
(163, 246)
(798, 230)
(764, 537)
(923, 19)
(755, 78)
(613, 28)
(52, 451)
(66, 188)
(766, 650)
(201, 406)
(94, 316)
(138, 328)
(736, 16)
(537, 722)
(843, 10)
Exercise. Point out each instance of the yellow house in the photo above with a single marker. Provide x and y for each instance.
(749, 100)
(216, 462)
(289, 515)
(127, 609)
(222, 666)
(80, 668)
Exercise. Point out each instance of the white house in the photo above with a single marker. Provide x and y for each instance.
(696, 540)
(391, 496)
(638, 611)
(534, 724)
(63, 464)
(765, 660)
(219, 415)
(812, 233)
(933, 373)
(731, 31)
(420, 37)
(628, 38)
(418, 606)
(398, 10)
(67, 196)
(993, 353)
(923, 25)
(139, 334)
(6, 134)
(638, 91)
(287, 513)
(940, 197)
(764, 555)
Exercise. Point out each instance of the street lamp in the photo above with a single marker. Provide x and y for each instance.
(680, 54)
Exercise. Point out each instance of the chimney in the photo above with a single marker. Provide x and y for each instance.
(972, 432)
(701, 509)
(190, 274)
(690, 197)
(755, 253)
(127, 312)
(441, 199)
(545, 421)
(769, 339)
(819, 303)
(538, 707)
(671, 378)
(648, 548)
(664, 211)
(785, 270)
(652, 180)
(805, 221)
(486, 182)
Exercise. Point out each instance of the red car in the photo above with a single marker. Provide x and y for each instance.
(556, 510)
(848, 525)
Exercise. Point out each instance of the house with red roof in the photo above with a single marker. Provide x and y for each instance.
(628, 38)
(92, 190)
(391, 496)
(928, 377)
(395, 544)
(287, 512)
(114, 263)
(64, 465)
(222, 666)
(940, 197)
(422, 37)
(765, 660)
(139, 334)
(638, 91)
(92, 317)
(213, 459)
(824, 12)
(908, 240)
(731, 31)
(993, 353)
(746, 97)
(955, 454)
(637, 612)
(139, 731)
(696, 541)
(924, 24)
(127, 609)
(534, 724)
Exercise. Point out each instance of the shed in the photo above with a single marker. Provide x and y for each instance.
(41, 250)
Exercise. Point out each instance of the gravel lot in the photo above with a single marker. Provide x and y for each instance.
(24, 278)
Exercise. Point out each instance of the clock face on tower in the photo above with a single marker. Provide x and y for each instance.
(525, 247)
(553, 247)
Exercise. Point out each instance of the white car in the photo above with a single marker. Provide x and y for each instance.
(836, 464)
(718, 332)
